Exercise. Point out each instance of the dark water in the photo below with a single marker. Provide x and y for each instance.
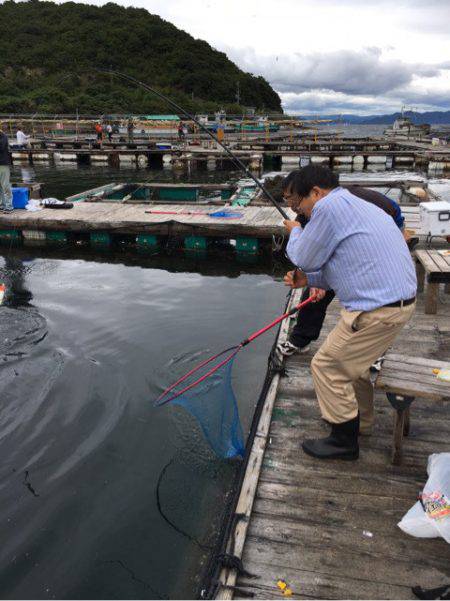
(85, 348)
(87, 344)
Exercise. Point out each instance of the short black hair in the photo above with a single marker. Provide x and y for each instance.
(302, 181)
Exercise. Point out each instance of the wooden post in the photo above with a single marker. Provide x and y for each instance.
(407, 425)
(420, 276)
(431, 298)
(399, 428)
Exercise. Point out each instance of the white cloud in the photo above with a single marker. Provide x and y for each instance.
(361, 55)
(347, 71)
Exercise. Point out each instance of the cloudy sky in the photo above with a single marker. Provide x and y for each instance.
(329, 56)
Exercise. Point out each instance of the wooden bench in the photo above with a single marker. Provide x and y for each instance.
(436, 267)
(403, 379)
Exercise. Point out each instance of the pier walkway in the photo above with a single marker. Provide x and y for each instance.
(329, 528)
(122, 218)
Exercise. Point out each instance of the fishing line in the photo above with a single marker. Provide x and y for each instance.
(191, 117)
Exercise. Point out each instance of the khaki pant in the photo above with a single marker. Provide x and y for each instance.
(5, 188)
(340, 368)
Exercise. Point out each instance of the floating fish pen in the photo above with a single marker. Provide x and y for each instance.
(158, 192)
(281, 148)
(152, 218)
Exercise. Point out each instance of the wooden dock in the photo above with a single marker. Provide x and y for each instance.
(109, 218)
(329, 528)
(203, 153)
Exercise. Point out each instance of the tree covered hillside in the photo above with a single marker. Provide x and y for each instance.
(48, 53)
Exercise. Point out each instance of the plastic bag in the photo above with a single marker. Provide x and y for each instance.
(430, 516)
(34, 204)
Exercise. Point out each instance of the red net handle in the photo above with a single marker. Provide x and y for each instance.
(277, 320)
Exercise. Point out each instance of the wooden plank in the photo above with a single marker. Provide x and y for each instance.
(393, 383)
(248, 491)
(328, 560)
(426, 260)
(423, 361)
(313, 585)
(425, 414)
(350, 541)
(416, 368)
(440, 261)
(117, 217)
(296, 503)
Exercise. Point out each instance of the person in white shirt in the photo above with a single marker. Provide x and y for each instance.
(22, 139)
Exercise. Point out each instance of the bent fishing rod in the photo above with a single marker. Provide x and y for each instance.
(190, 117)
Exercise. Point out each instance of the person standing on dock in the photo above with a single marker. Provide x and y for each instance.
(181, 134)
(130, 129)
(23, 141)
(109, 131)
(99, 131)
(358, 251)
(5, 162)
(309, 321)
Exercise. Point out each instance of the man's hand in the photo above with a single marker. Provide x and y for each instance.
(295, 279)
(289, 225)
(318, 293)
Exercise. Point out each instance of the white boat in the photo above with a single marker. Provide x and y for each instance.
(404, 127)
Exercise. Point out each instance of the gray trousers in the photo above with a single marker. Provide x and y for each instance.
(5, 188)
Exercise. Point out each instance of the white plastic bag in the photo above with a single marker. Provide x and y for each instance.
(430, 517)
(34, 204)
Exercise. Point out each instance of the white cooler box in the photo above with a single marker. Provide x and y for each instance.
(435, 218)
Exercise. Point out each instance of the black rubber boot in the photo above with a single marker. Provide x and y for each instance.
(342, 443)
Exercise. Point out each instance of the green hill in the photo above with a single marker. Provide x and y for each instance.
(48, 53)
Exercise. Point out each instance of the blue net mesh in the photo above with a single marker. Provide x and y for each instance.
(213, 404)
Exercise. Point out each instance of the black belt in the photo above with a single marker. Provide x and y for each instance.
(402, 303)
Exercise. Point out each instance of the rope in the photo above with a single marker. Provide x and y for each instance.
(277, 243)
(164, 516)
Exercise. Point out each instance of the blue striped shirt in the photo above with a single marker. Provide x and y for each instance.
(354, 248)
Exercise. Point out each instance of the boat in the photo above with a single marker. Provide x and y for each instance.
(403, 126)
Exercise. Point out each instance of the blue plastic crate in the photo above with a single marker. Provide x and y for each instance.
(20, 197)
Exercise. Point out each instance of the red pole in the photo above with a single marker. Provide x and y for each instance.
(277, 320)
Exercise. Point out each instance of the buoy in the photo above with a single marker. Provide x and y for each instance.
(343, 160)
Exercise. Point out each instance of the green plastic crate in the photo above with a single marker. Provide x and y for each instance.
(195, 243)
(100, 238)
(10, 236)
(247, 245)
(147, 242)
(56, 237)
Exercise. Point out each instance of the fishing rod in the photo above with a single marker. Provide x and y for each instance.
(181, 110)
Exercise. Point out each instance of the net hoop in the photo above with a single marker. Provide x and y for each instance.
(232, 350)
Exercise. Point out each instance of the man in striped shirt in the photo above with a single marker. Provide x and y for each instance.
(310, 319)
(354, 248)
